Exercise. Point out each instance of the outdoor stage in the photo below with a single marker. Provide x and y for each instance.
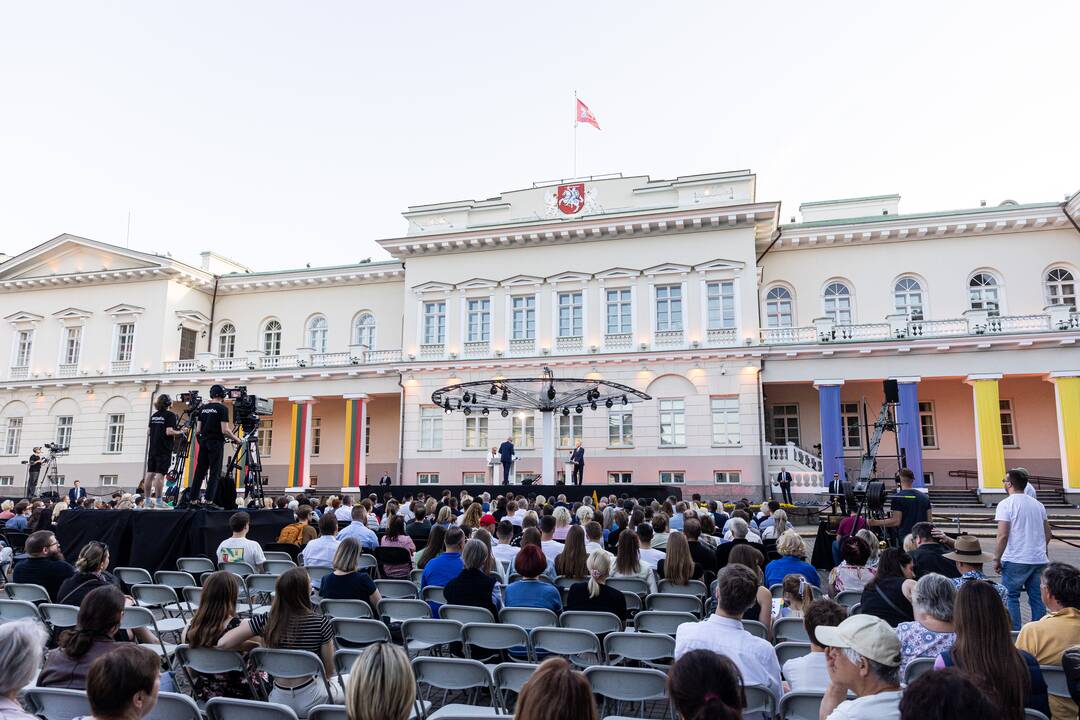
(573, 493)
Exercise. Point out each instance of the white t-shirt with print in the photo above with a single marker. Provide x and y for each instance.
(241, 550)
(1027, 533)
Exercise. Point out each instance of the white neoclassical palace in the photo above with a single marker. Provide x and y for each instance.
(749, 334)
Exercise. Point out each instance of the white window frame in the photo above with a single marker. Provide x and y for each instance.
(71, 344)
(1055, 288)
(671, 305)
(574, 424)
(980, 291)
(839, 304)
(117, 354)
(620, 477)
(431, 428)
(798, 423)
(557, 314)
(624, 436)
(624, 310)
(364, 332)
(727, 477)
(7, 480)
(907, 294)
(1007, 408)
(926, 410)
(719, 283)
(427, 478)
(316, 436)
(270, 337)
(726, 423)
(478, 319)
(13, 429)
(266, 437)
(23, 348)
(676, 408)
(523, 430)
(226, 341)
(114, 433)
(109, 480)
(472, 477)
(779, 302)
(528, 314)
(317, 333)
(476, 432)
(65, 426)
(672, 477)
(433, 323)
(846, 414)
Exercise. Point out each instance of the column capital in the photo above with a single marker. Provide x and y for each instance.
(355, 396)
(983, 376)
(828, 382)
(907, 379)
(301, 399)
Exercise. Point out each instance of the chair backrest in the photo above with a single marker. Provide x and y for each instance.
(11, 610)
(627, 684)
(192, 595)
(317, 572)
(565, 582)
(433, 593)
(27, 591)
(292, 664)
(240, 568)
(397, 589)
(345, 608)
(466, 614)
(176, 579)
(790, 629)
(59, 616)
(1056, 684)
(211, 661)
(759, 700)
(220, 708)
(494, 636)
(512, 676)
(657, 621)
(528, 618)
(629, 584)
(174, 706)
(451, 673)
(261, 583)
(279, 555)
(649, 648)
(1030, 714)
(790, 650)
(596, 622)
(136, 617)
(633, 601)
(694, 587)
(366, 561)
(360, 632)
(801, 705)
(57, 704)
(674, 602)
(277, 566)
(565, 641)
(344, 659)
(430, 631)
(154, 595)
(133, 576)
(849, 598)
(917, 667)
(398, 609)
(416, 575)
(755, 628)
(328, 712)
(195, 565)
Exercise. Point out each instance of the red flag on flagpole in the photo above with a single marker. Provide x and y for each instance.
(584, 115)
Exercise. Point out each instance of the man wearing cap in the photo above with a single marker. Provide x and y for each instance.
(969, 558)
(211, 432)
(863, 656)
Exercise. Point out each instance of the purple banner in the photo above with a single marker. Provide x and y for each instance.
(909, 429)
(832, 445)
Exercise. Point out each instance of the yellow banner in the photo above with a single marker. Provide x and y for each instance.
(1068, 397)
(989, 450)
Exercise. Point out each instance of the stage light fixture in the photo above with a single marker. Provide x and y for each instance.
(551, 392)
(484, 411)
(494, 389)
(592, 405)
(467, 410)
(505, 412)
(608, 403)
(465, 397)
(624, 400)
(505, 395)
(579, 409)
(446, 404)
(565, 411)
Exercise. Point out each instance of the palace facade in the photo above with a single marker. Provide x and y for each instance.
(751, 335)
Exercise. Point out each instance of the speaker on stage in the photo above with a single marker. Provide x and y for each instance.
(892, 392)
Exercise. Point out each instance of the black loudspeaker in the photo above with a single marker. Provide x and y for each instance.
(892, 392)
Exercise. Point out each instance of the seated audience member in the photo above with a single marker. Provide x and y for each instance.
(751, 558)
(571, 562)
(863, 657)
(705, 685)
(445, 517)
(946, 695)
(396, 537)
(984, 650)
(851, 524)
(595, 595)
(22, 643)
(678, 566)
(45, 564)
(357, 528)
(436, 545)
(777, 527)
(888, 595)
(320, 551)
(381, 685)
(594, 538)
(810, 672)
(646, 551)
(532, 536)
(1059, 629)
(874, 543)
(740, 535)
(291, 625)
(300, 532)
(701, 553)
(123, 684)
(931, 632)
(6, 509)
(969, 557)
(447, 566)
(723, 631)
(347, 582)
(420, 527)
(750, 535)
(98, 621)
(238, 548)
(660, 531)
(1070, 663)
(504, 551)
(555, 691)
(929, 553)
(792, 559)
(548, 544)
(473, 585)
(20, 519)
(852, 573)
(470, 519)
(562, 522)
(795, 596)
(92, 573)
(530, 591)
(215, 616)
(628, 562)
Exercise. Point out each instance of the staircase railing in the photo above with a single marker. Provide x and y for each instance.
(1038, 481)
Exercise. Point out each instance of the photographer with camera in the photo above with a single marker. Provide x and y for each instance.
(212, 430)
(33, 470)
(163, 428)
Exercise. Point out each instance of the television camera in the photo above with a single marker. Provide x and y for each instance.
(248, 410)
(55, 449)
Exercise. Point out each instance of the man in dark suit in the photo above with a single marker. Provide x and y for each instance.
(506, 457)
(76, 493)
(577, 457)
(783, 479)
(385, 480)
(838, 492)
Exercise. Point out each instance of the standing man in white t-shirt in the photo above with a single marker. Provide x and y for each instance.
(1023, 533)
(238, 548)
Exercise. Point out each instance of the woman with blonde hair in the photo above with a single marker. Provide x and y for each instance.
(792, 559)
(445, 517)
(390, 511)
(57, 509)
(584, 515)
(381, 685)
(678, 565)
(562, 522)
(779, 527)
(347, 582)
(874, 543)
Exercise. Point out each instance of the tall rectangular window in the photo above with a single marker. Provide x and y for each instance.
(569, 430)
(476, 432)
(367, 437)
(1008, 424)
(669, 314)
(188, 340)
(316, 436)
(620, 427)
(523, 430)
(114, 434)
(72, 345)
(785, 424)
(64, 424)
(720, 297)
(927, 425)
(672, 423)
(24, 346)
(125, 342)
(13, 436)
(435, 323)
(849, 421)
(427, 478)
(619, 316)
(479, 320)
(523, 317)
(266, 438)
(725, 421)
(672, 477)
(431, 428)
(571, 314)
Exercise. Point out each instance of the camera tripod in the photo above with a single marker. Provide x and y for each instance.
(247, 461)
(181, 450)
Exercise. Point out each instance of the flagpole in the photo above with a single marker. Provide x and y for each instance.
(575, 134)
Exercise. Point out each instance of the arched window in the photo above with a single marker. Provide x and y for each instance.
(908, 298)
(317, 333)
(364, 330)
(1060, 287)
(226, 344)
(778, 308)
(838, 303)
(984, 293)
(271, 338)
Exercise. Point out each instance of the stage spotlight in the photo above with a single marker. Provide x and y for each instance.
(579, 409)
(505, 412)
(505, 395)
(592, 405)
(565, 411)
(608, 403)
(467, 410)
(446, 404)
(446, 410)
(484, 411)
(551, 392)
(624, 400)
(465, 397)
(493, 390)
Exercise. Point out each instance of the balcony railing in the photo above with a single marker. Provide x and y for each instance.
(476, 349)
(67, 370)
(20, 372)
(824, 331)
(432, 351)
(668, 338)
(619, 341)
(570, 343)
(330, 359)
(721, 336)
(523, 347)
(119, 367)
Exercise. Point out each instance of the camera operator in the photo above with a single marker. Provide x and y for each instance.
(33, 469)
(159, 450)
(909, 506)
(212, 429)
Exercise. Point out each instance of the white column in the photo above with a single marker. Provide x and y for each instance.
(547, 471)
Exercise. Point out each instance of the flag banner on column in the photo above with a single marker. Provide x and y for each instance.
(189, 467)
(354, 443)
(989, 450)
(298, 453)
(1068, 395)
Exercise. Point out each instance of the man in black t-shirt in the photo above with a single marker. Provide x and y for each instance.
(909, 506)
(33, 470)
(159, 450)
(211, 431)
(45, 565)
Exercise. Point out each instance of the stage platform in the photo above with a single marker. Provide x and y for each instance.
(573, 493)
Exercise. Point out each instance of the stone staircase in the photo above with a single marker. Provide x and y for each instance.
(1051, 497)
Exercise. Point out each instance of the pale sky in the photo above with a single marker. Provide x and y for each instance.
(285, 133)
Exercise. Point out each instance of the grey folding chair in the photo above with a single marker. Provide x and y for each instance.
(849, 598)
(563, 582)
(580, 647)
(401, 609)
(528, 618)
(755, 628)
(59, 616)
(759, 700)
(452, 675)
(328, 712)
(395, 589)
(261, 588)
(343, 662)
(11, 610)
(369, 563)
(240, 568)
(163, 599)
(211, 661)
(58, 704)
(633, 601)
(917, 667)
(228, 709)
(176, 579)
(694, 587)
(651, 649)
(1056, 684)
(174, 706)
(1030, 714)
(278, 555)
(674, 602)
(426, 634)
(192, 596)
(510, 677)
(276, 566)
(801, 705)
(28, 592)
(135, 617)
(510, 640)
(434, 594)
(197, 566)
(631, 685)
(790, 629)
(466, 614)
(416, 575)
(359, 632)
(790, 650)
(317, 572)
(656, 621)
(290, 664)
(133, 576)
(629, 584)
(345, 608)
(595, 622)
